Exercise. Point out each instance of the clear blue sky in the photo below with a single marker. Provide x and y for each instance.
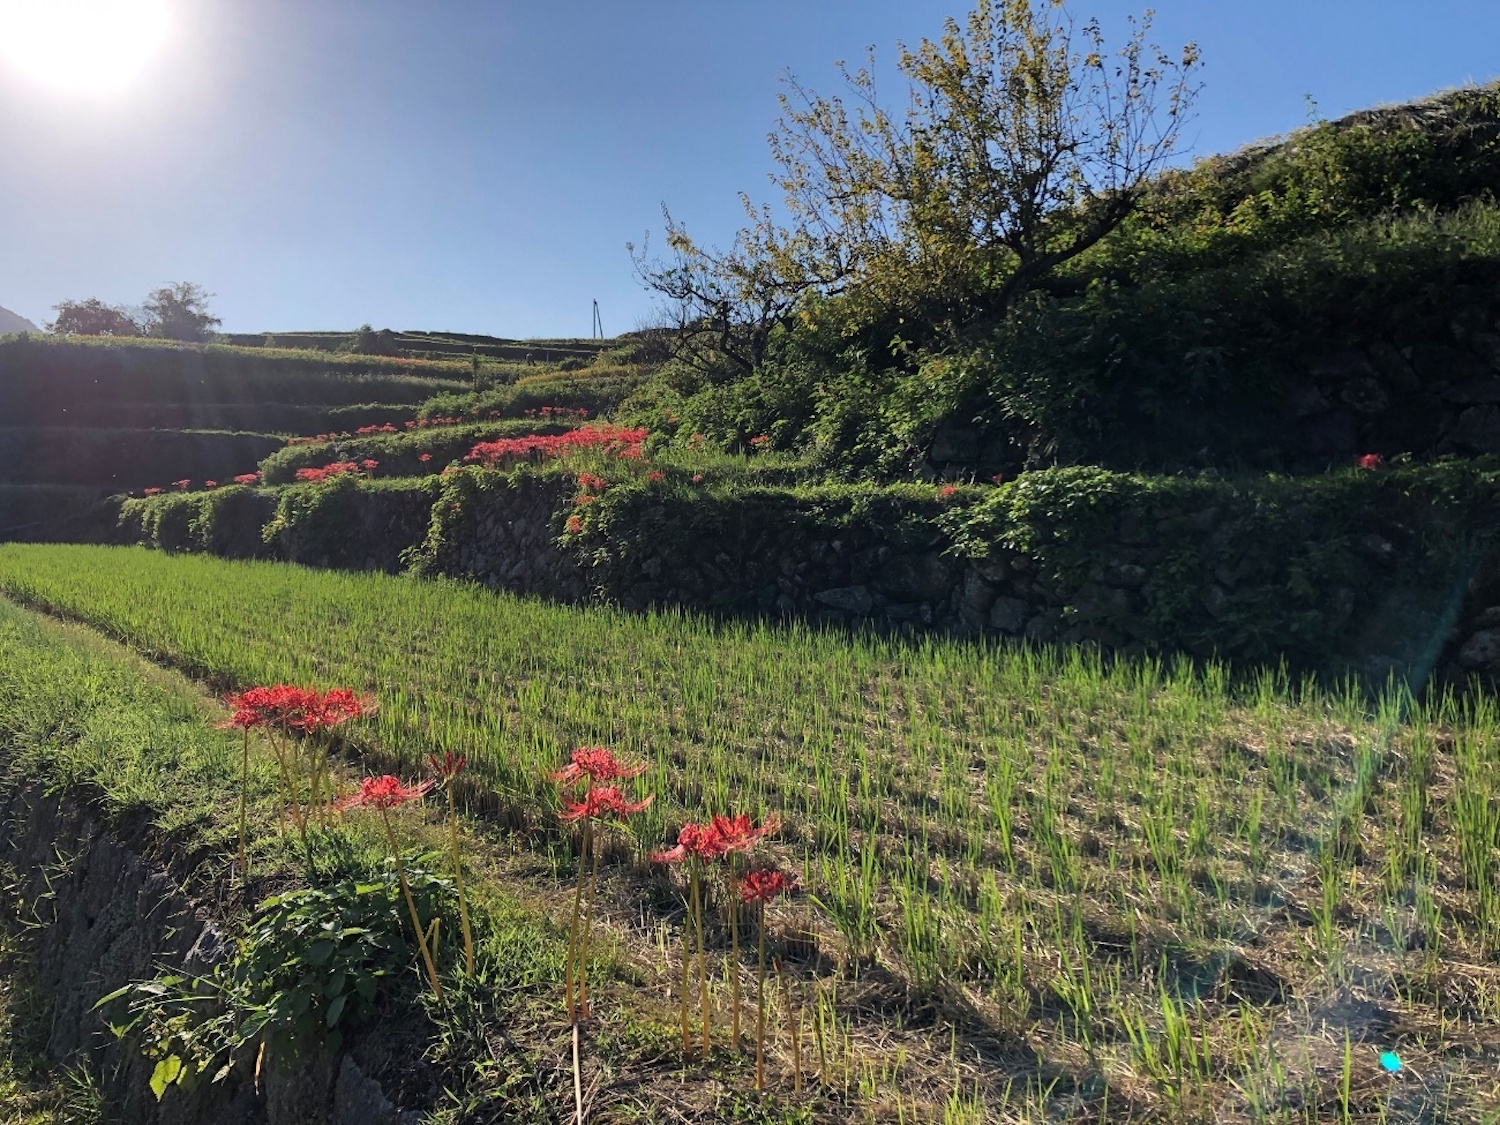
(479, 165)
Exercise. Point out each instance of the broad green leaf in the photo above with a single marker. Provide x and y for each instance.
(167, 1072)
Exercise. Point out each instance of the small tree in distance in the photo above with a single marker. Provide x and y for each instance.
(92, 318)
(179, 312)
(1022, 144)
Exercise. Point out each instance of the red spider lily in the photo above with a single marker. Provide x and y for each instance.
(182, 484)
(760, 441)
(597, 763)
(998, 478)
(450, 767)
(701, 841)
(153, 492)
(655, 476)
(385, 792)
(335, 708)
(247, 478)
(332, 469)
(600, 801)
(760, 887)
(731, 835)
(763, 885)
(210, 484)
(589, 480)
(738, 833)
(369, 465)
(697, 478)
(625, 442)
(1370, 461)
(424, 458)
(947, 492)
(282, 703)
(575, 525)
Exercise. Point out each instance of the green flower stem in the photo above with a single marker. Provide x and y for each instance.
(588, 926)
(570, 969)
(458, 877)
(734, 956)
(411, 904)
(702, 960)
(244, 802)
(760, 997)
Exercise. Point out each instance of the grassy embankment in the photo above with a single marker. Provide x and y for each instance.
(1035, 884)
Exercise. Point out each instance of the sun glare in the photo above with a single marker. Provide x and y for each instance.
(82, 46)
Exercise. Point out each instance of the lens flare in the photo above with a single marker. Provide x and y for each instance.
(81, 46)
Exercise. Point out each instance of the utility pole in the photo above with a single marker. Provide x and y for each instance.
(598, 324)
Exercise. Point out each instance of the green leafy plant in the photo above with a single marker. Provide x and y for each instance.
(313, 963)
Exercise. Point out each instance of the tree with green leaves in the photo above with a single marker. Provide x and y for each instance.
(92, 318)
(179, 312)
(1023, 141)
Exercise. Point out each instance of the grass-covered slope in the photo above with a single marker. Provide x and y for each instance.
(43, 378)
(114, 416)
(1285, 308)
(1029, 876)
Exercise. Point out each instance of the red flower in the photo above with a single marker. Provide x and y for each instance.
(700, 840)
(450, 767)
(334, 708)
(385, 793)
(1370, 461)
(599, 801)
(283, 704)
(998, 478)
(617, 439)
(738, 833)
(760, 440)
(210, 484)
(182, 484)
(764, 885)
(425, 457)
(153, 492)
(332, 469)
(947, 492)
(369, 465)
(655, 475)
(597, 763)
(697, 478)
(575, 525)
(247, 478)
(295, 708)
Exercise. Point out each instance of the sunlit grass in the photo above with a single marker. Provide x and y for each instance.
(1176, 892)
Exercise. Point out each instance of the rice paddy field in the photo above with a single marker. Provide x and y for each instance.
(1034, 885)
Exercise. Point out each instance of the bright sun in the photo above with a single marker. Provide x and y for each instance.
(87, 46)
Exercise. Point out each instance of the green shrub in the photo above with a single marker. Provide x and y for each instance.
(224, 521)
(312, 964)
(350, 523)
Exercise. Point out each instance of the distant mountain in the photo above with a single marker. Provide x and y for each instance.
(10, 322)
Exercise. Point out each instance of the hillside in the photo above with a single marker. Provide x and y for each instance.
(87, 419)
(1083, 714)
(1284, 308)
(10, 323)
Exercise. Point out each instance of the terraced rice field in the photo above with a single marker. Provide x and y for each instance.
(1035, 885)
